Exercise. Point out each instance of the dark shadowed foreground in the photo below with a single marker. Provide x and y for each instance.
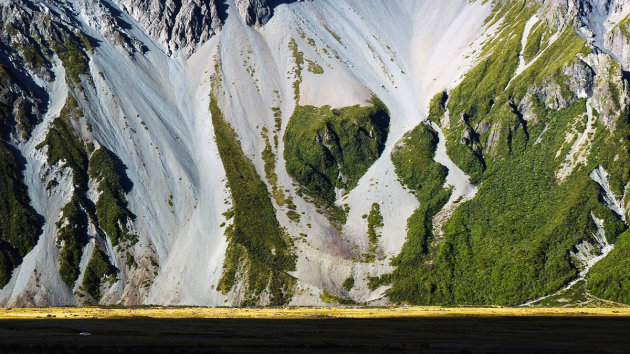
(432, 335)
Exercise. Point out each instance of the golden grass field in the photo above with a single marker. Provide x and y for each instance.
(301, 312)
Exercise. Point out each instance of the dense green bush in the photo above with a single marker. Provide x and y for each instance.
(74, 59)
(98, 270)
(298, 57)
(375, 222)
(73, 236)
(610, 278)
(511, 243)
(20, 226)
(416, 169)
(348, 284)
(437, 107)
(111, 207)
(332, 299)
(65, 145)
(258, 247)
(332, 148)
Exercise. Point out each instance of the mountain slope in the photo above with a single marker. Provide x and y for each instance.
(146, 140)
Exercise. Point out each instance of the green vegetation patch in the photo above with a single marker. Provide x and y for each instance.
(11, 30)
(20, 226)
(624, 26)
(33, 56)
(437, 107)
(413, 160)
(537, 41)
(314, 68)
(71, 237)
(332, 299)
(486, 97)
(575, 296)
(98, 271)
(348, 284)
(111, 206)
(375, 222)
(512, 242)
(259, 252)
(65, 145)
(332, 148)
(17, 106)
(298, 58)
(74, 59)
(610, 278)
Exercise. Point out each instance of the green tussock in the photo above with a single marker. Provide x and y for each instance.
(65, 145)
(258, 252)
(511, 243)
(98, 271)
(348, 284)
(624, 27)
(331, 299)
(111, 206)
(11, 30)
(71, 237)
(33, 56)
(298, 58)
(332, 148)
(610, 278)
(314, 68)
(437, 107)
(19, 225)
(375, 222)
(74, 59)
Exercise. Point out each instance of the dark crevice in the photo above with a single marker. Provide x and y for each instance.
(521, 119)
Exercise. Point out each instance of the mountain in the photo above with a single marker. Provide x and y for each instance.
(265, 152)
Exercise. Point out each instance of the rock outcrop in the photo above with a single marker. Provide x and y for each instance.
(184, 24)
(177, 24)
(258, 12)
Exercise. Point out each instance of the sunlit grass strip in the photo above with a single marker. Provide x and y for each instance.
(301, 313)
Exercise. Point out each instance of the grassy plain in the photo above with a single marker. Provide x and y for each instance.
(301, 312)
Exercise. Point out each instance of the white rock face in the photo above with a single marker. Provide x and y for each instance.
(254, 12)
(602, 20)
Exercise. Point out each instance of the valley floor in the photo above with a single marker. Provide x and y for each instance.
(298, 330)
(302, 313)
